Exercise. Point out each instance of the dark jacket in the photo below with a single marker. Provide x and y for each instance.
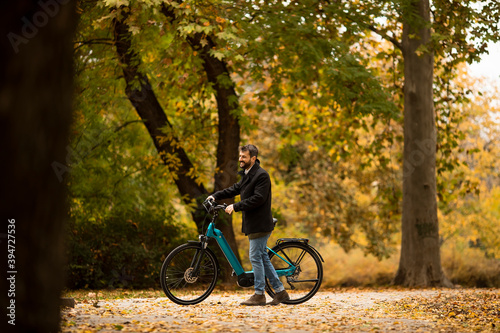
(255, 192)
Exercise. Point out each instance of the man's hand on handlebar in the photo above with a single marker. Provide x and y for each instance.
(230, 209)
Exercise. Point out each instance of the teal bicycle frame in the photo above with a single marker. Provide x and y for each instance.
(212, 232)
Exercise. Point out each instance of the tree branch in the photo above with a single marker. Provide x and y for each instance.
(96, 41)
(382, 34)
(127, 123)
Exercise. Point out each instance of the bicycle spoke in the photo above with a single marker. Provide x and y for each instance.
(176, 284)
(299, 259)
(284, 254)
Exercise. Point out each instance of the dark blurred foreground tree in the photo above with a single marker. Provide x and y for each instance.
(36, 88)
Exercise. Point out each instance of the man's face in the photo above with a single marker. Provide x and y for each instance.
(245, 160)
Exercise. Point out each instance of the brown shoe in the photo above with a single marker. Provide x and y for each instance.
(255, 300)
(280, 297)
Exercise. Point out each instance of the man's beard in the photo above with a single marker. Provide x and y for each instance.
(244, 165)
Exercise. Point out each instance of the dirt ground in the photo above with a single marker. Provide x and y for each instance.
(440, 310)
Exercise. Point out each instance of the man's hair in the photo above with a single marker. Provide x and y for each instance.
(251, 149)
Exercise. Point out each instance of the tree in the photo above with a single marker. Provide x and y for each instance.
(471, 213)
(420, 261)
(36, 88)
(219, 78)
(222, 37)
(444, 37)
(143, 97)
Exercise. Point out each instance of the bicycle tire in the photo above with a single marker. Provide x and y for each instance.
(176, 282)
(308, 276)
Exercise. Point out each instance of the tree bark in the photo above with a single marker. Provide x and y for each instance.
(36, 90)
(420, 261)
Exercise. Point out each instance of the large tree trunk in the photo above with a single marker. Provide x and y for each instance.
(36, 87)
(420, 261)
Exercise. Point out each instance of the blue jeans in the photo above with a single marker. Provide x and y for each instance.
(262, 266)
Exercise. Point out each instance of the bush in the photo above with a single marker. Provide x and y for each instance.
(125, 250)
(463, 264)
(355, 269)
(470, 266)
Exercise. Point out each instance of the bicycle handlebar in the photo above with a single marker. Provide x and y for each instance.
(210, 206)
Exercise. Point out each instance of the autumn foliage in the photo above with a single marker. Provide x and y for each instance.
(323, 101)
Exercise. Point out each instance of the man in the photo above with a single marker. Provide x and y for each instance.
(255, 191)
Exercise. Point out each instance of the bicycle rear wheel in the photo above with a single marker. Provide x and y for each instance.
(177, 277)
(306, 279)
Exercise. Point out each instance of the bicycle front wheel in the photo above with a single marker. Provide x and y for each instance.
(308, 275)
(180, 282)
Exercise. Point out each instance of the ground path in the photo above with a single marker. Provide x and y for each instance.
(387, 310)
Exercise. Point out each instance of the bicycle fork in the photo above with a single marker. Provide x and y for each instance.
(191, 275)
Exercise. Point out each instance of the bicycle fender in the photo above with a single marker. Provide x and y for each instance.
(317, 252)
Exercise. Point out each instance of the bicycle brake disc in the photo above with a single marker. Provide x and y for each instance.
(188, 275)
